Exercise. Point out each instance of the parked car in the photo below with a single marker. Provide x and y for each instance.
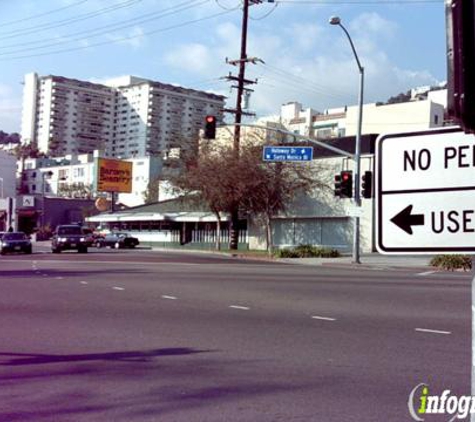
(117, 240)
(69, 237)
(15, 242)
(90, 236)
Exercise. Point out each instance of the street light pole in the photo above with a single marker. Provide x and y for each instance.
(335, 20)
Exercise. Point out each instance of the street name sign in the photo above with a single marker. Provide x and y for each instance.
(425, 192)
(287, 153)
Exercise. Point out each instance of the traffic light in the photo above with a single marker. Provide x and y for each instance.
(210, 127)
(367, 184)
(337, 188)
(346, 184)
(461, 62)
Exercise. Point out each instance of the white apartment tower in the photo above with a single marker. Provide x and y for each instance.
(126, 117)
(66, 116)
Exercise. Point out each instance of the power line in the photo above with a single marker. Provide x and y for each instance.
(358, 1)
(298, 80)
(265, 15)
(218, 2)
(302, 88)
(50, 12)
(57, 24)
(116, 26)
(68, 50)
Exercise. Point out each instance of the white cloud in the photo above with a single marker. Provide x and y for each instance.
(372, 24)
(10, 110)
(135, 38)
(305, 35)
(195, 58)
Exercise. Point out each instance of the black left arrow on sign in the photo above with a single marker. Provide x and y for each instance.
(405, 220)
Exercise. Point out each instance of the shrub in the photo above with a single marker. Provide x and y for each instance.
(452, 262)
(307, 251)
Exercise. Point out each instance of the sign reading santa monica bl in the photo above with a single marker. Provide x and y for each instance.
(425, 192)
(113, 175)
(287, 153)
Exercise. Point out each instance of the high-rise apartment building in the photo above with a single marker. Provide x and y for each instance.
(125, 117)
(66, 116)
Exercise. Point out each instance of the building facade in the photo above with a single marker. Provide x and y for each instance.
(74, 176)
(125, 117)
(422, 113)
(7, 191)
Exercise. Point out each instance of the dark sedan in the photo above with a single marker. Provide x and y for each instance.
(69, 237)
(117, 240)
(15, 242)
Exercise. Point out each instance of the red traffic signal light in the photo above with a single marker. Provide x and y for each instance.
(346, 184)
(210, 127)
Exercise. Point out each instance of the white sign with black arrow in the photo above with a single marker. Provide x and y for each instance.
(425, 192)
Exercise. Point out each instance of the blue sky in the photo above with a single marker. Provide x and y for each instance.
(401, 44)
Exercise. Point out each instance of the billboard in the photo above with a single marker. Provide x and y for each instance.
(113, 176)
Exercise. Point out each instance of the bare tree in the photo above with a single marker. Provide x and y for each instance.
(260, 189)
(211, 179)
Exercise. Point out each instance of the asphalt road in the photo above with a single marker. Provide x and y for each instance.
(149, 336)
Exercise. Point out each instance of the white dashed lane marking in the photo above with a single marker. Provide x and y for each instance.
(169, 297)
(426, 273)
(118, 288)
(84, 282)
(241, 308)
(322, 318)
(427, 330)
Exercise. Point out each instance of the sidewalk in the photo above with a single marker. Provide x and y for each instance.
(367, 260)
(375, 260)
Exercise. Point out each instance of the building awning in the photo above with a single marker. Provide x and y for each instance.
(27, 213)
(191, 217)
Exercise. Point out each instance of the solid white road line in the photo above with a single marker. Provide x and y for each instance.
(117, 288)
(426, 330)
(169, 297)
(426, 273)
(323, 318)
(242, 308)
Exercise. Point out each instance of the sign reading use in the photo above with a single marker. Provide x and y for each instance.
(114, 175)
(425, 192)
(287, 153)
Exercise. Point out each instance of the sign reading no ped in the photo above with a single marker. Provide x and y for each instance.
(114, 175)
(425, 192)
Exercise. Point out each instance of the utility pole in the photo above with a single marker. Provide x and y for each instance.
(238, 111)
